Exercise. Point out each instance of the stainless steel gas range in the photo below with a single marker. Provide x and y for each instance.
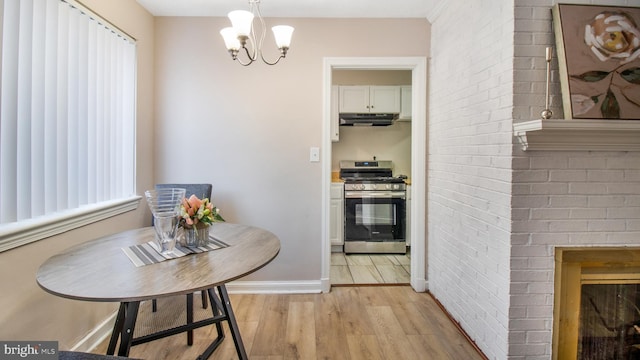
(375, 208)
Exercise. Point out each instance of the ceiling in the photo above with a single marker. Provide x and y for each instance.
(298, 8)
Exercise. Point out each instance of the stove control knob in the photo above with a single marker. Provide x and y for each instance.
(360, 186)
(388, 186)
(396, 186)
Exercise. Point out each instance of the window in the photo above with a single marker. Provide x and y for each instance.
(67, 119)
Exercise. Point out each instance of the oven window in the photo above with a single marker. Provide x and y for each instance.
(375, 214)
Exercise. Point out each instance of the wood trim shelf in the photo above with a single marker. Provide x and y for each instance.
(582, 134)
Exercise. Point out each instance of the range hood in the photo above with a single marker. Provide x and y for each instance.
(367, 119)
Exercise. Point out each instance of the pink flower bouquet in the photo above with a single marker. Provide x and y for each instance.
(195, 211)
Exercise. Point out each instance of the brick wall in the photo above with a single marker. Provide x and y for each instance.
(469, 168)
(497, 213)
(560, 198)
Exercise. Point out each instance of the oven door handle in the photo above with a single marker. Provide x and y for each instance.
(374, 194)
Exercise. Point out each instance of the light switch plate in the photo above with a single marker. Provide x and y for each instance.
(314, 154)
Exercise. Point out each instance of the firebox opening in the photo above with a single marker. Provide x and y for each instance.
(597, 303)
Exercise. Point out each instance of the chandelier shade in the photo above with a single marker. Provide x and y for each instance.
(230, 36)
(241, 21)
(282, 34)
(241, 35)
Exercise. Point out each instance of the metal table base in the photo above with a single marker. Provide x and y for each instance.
(221, 311)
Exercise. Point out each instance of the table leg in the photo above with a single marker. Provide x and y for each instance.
(203, 295)
(233, 325)
(190, 318)
(126, 334)
(117, 328)
(216, 309)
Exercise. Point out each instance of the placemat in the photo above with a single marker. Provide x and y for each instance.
(149, 252)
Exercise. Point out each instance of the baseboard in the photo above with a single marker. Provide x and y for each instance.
(98, 335)
(275, 287)
(420, 285)
(457, 325)
(325, 285)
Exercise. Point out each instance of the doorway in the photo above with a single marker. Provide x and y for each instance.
(417, 66)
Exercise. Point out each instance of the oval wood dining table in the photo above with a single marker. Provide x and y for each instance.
(99, 270)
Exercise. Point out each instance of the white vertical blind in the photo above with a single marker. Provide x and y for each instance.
(9, 112)
(67, 110)
(23, 135)
(62, 120)
(37, 107)
(50, 103)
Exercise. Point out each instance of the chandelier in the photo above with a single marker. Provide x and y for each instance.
(241, 32)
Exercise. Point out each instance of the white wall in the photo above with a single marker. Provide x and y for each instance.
(469, 167)
(391, 142)
(560, 198)
(248, 130)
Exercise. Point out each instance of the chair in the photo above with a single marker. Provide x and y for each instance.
(201, 191)
(75, 355)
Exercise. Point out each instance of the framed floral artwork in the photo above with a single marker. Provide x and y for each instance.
(598, 51)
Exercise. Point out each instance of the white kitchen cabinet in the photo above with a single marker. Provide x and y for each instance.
(354, 99)
(405, 103)
(336, 222)
(369, 99)
(408, 219)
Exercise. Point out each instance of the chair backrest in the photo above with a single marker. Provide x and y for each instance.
(200, 190)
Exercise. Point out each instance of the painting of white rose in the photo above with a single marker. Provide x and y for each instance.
(599, 61)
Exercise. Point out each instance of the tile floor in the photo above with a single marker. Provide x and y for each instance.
(370, 269)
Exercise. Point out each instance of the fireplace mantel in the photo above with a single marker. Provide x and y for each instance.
(579, 134)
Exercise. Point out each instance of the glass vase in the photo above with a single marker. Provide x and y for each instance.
(196, 236)
(165, 207)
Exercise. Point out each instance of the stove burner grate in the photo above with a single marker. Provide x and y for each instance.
(373, 179)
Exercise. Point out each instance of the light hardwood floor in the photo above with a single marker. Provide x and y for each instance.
(378, 322)
(370, 269)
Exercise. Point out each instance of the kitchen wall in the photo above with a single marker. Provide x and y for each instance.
(28, 312)
(248, 130)
(497, 213)
(363, 143)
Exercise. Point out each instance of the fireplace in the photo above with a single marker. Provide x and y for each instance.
(597, 304)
